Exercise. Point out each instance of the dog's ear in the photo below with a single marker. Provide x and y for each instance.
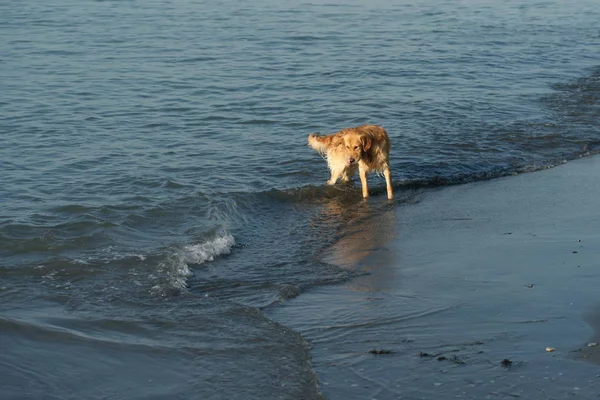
(366, 142)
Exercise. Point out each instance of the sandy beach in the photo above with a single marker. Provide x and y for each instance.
(486, 290)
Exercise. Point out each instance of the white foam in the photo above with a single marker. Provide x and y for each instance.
(175, 270)
(200, 253)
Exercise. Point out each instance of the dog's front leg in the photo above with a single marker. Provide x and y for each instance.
(335, 175)
(362, 170)
(388, 182)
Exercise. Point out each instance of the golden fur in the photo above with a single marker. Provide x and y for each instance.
(366, 148)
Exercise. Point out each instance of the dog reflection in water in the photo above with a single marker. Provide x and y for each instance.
(366, 233)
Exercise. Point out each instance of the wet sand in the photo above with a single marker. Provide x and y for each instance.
(484, 290)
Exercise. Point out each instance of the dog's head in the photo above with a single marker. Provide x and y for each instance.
(355, 146)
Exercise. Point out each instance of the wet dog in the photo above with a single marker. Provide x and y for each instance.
(366, 148)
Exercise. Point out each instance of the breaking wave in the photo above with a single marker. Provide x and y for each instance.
(174, 271)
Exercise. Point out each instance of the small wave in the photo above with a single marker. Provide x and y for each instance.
(259, 122)
(200, 253)
(174, 271)
(311, 193)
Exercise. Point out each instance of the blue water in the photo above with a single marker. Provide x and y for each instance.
(157, 194)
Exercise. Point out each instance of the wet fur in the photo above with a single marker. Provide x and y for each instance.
(364, 148)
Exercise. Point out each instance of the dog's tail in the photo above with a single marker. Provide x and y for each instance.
(322, 143)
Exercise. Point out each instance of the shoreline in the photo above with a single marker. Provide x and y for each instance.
(464, 290)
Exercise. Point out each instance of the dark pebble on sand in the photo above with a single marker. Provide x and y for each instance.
(457, 360)
(380, 351)
(506, 363)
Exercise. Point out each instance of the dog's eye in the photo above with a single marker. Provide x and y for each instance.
(355, 147)
(347, 147)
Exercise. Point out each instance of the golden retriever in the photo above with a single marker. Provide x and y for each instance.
(366, 148)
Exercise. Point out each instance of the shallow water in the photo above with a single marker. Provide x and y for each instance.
(463, 292)
(157, 193)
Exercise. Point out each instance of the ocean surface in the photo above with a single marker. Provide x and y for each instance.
(158, 199)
